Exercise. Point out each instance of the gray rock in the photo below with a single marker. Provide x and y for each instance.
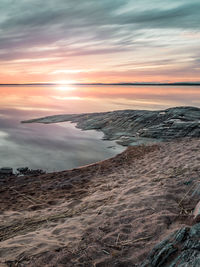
(22, 171)
(27, 171)
(182, 248)
(132, 127)
(196, 212)
(6, 171)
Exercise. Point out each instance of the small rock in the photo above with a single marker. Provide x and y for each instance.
(6, 171)
(27, 171)
(23, 170)
(196, 212)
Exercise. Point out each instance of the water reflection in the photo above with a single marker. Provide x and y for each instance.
(50, 147)
(78, 99)
(62, 146)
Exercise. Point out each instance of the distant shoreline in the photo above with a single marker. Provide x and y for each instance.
(107, 84)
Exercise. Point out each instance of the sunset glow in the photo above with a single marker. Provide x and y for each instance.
(99, 132)
(99, 41)
(65, 88)
(65, 82)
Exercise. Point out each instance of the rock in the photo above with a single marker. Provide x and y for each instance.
(196, 212)
(182, 248)
(6, 171)
(23, 170)
(27, 171)
(131, 127)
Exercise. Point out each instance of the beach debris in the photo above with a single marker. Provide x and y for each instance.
(105, 251)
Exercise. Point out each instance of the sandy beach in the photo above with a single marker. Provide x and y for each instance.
(109, 213)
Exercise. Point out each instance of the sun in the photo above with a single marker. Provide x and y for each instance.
(65, 85)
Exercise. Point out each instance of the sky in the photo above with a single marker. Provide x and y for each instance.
(85, 41)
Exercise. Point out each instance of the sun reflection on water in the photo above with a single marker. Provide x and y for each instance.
(65, 88)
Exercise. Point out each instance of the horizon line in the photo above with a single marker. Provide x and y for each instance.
(121, 83)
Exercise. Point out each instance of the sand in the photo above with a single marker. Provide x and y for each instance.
(110, 213)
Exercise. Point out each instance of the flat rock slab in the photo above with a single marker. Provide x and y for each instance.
(132, 127)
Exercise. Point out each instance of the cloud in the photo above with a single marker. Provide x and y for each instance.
(77, 28)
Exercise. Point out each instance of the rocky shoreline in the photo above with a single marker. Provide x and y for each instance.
(6, 172)
(133, 127)
(140, 208)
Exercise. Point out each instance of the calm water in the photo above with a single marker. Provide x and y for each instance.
(62, 146)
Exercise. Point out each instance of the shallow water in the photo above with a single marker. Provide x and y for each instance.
(51, 147)
(62, 146)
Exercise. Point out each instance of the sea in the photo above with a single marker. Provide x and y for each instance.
(62, 146)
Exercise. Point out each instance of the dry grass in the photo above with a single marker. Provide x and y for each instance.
(113, 211)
